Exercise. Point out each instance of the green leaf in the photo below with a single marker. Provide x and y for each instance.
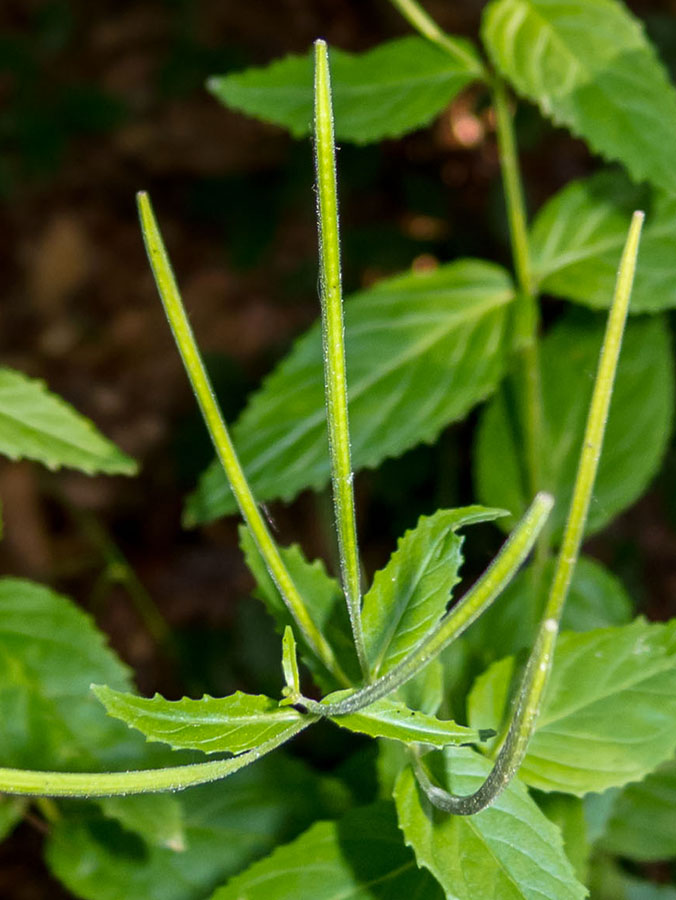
(213, 724)
(588, 65)
(227, 825)
(638, 429)
(395, 88)
(36, 424)
(642, 824)
(325, 602)
(410, 595)
(596, 599)
(609, 711)
(50, 652)
(425, 691)
(12, 810)
(577, 240)
(510, 850)
(157, 818)
(422, 350)
(568, 814)
(360, 857)
(393, 720)
(290, 661)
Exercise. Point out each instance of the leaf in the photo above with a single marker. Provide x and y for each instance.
(397, 87)
(227, 825)
(510, 850)
(36, 424)
(425, 691)
(577, 241)
(360, 857)
(422, 350)
(12, 810)
(410, 595)
(568, 813)
(609, 711)
(642, 824)
(638, 429)
(588, 65)
(325, 602)
(596, 599)
(393, 720)
(50, 651)
(157, 818)
(213, 724)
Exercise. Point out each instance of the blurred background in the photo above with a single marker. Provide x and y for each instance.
(101, 99)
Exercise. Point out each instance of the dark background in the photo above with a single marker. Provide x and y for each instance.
(101, 99)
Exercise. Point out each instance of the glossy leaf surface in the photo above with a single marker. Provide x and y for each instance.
(397, 87)
(638, 428)
(609, 711)
(422, 350)
(510, 850)
(588, 65)
(36, 424)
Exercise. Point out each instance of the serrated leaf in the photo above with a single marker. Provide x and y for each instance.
(577, 241)
(361, 856)
(639, 423)
(212, 724)
(50, 651)
(36, 424)
(227, 825)
(422, 350)
(596, 599)
(609, 711)
(395, 88)
(393, 720)
(157, 818)
(588, 65)
(642, 824)
(410, 595)
(325, 602)
(510, 850)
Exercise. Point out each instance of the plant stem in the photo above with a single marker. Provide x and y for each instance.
(192, 361)
(427, 27)
(491, 584)
(539, 665)
(526, 312)
(333, 336)
(144, 781)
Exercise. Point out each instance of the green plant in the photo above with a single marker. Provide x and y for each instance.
(385, 661)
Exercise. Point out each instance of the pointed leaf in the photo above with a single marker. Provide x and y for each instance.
(642, 824)
(511, 850)
(577, 241)
(36, 424)
(638, 429)
(588, 65)
(422, 350)
(213, 724)
(395, 88)
(609, 712)
(393, 720)
(410, 595)
(325, 602)
(228, 824)
(50, 651)
(361, 856)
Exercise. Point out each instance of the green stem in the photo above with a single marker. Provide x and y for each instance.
(144, 781)
(526, 311)
(333, 334)
(476, 600)
(539, 665)
(427, 27)
(185, 340)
